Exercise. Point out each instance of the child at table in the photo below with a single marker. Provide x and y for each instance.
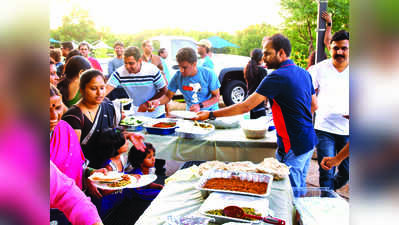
(143, 163)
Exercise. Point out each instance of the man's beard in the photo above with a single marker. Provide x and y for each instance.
(273, 64)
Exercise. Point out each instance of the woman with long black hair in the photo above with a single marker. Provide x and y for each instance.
(253, 75)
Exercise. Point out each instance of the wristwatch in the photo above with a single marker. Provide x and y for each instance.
(211, 116)
(201, 105)
(328, 24)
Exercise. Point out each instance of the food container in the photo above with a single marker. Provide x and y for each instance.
(218, 200)
(188, 220)
(245, 176)
(132, 123)
(188, 129)
(226, 122)
(320, 205)
(255, 129)
(149, 126)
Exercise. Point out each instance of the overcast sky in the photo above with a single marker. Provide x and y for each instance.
(132, 16)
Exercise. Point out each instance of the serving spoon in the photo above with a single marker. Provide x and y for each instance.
(237, 212)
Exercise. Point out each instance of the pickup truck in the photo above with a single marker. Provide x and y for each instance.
(229, 68)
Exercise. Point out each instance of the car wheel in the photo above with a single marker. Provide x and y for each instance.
(234, 92)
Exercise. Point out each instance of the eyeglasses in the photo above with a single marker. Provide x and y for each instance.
(130, 63)
(342, 48)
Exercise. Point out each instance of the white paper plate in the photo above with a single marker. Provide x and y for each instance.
(143, 181)
(183, 114)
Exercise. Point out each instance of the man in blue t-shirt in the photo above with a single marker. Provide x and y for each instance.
(199, 85)
(292, 98)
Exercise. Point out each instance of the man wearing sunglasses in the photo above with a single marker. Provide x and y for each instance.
(142, 82)
(331, 79)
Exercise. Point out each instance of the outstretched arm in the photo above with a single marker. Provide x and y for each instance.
(327, 34)
(160, 101)
(329, 162)
(251, 102)
(213, 100)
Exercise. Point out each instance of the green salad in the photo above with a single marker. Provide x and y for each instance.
(131, 121)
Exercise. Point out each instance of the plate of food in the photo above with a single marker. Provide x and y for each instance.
(183, 114)
(194, 129)
(132, 123)
(109, 178)
(161, 126)
(122, 181)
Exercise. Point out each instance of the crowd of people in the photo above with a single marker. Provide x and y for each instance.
(310, 110)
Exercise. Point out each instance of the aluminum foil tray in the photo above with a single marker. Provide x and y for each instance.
(188, 130)
(257, 177)
(217, 200)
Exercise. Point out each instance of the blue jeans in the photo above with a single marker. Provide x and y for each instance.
(328, 146)
(299, 166)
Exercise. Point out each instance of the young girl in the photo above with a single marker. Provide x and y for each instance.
(143, 163)
(119, 162)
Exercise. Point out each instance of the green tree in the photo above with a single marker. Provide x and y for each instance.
(251, 37)
(78, 27)
(301, 23)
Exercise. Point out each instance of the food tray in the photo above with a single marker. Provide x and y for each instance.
(131, 123)
(217, 200)
(259, 177)
(226, 122)
(188, 130)
(159, 130)
(320, 205)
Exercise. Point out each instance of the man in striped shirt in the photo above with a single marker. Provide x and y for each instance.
(142, 81)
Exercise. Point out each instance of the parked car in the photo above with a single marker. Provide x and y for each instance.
(229, 68)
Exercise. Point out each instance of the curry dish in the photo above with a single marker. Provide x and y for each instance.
(235, 184)
(164, 125)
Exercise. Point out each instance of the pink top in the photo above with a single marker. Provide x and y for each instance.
(95, 64)
(67, 197)
(66, 153)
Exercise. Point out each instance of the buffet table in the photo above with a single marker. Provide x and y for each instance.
(181, 198)
(222, 144)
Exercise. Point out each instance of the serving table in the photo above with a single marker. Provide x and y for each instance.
(181, 198)
(222, 144)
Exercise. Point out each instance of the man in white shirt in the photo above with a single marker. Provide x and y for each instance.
(331, 82)
(142, 82)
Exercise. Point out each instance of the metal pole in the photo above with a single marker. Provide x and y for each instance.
(321, 29)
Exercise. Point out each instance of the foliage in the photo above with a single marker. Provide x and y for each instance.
(251, 38)
(301, 23)
(78, 27)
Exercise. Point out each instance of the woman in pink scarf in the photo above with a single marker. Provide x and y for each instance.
(65, 152)
(67, 197)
